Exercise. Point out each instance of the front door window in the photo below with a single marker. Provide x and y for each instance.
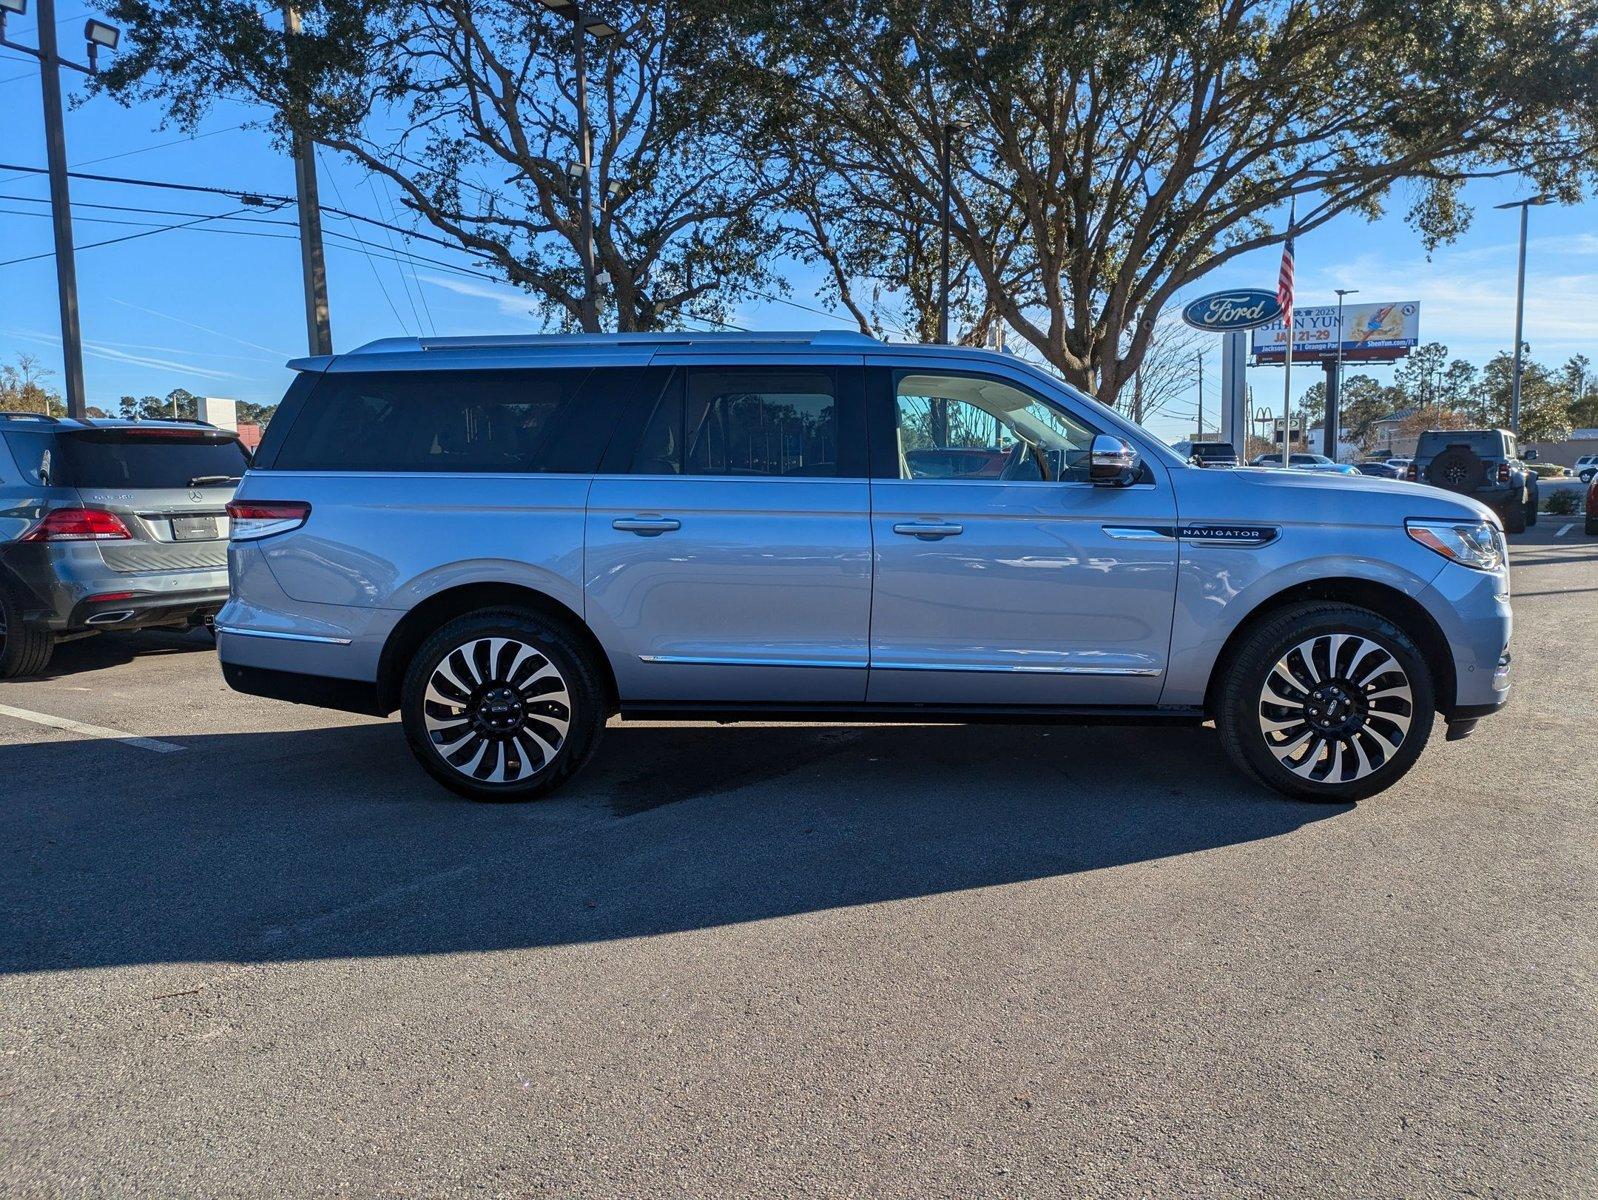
(953, 427)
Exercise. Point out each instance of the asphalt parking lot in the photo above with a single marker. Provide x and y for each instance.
(263, 954)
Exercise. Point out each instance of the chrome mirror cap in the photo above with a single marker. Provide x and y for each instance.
(1114, 462)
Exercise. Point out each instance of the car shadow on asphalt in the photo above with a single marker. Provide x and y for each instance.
(323, 843)
(103, 650)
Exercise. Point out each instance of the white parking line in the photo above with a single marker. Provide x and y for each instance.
(1564, 529)
(93, 731)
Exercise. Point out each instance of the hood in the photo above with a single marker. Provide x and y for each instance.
(1247, 494)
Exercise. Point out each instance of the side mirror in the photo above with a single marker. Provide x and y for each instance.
(1530, 455)
(1113, 462)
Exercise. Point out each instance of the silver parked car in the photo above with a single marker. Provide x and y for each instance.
(511, 539)
(108, 524)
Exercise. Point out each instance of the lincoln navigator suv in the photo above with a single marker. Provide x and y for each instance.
(510, 540)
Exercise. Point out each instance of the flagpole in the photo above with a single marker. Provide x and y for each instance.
(1287, 394)
(1284, 295)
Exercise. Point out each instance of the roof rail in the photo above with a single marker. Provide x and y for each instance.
(568, 341)
(30, 416)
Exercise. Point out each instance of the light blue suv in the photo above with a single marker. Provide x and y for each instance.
(509, 540)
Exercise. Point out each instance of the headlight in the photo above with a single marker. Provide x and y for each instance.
(1477, 544)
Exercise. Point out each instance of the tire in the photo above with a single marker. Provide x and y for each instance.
(24, 649)
(1591, 527)
(1457, 469)
(1531, 509)
(1277, 733)
(1514, 516)
(503, 705)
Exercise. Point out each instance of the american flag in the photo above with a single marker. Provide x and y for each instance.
(1284, 278)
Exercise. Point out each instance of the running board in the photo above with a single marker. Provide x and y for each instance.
(918, 714)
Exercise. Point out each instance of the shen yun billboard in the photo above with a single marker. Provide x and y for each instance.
(1371, 333)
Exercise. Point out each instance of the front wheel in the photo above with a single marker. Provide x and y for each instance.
(502, 705)
(1326, 702)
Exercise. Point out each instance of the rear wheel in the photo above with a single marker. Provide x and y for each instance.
(1531, 508)
(25, 649)
(1326, 702)
(1514, 515)
(502, 705)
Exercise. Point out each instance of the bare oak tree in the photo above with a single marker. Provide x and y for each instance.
(470, 108)
(1118, 150)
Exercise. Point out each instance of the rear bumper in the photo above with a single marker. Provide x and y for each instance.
(124, 608)
(64, 588)
(319, 691)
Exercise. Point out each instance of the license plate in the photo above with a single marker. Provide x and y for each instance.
(194, 529)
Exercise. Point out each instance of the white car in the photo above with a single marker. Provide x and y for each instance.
(1586, 467)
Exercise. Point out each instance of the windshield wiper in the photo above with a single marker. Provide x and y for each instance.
(201, 480)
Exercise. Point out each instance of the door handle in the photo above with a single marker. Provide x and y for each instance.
(929, 531)
(646, 526)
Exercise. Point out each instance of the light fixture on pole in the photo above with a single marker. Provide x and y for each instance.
(98, 34)
(1520, 305)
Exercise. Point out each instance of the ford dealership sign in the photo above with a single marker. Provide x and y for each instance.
(1240, 308)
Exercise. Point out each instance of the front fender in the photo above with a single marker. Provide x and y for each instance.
(1220, 587)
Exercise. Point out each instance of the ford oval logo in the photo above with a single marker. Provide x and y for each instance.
(1240, 308)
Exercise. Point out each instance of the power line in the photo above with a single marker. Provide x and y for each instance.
(127, 238)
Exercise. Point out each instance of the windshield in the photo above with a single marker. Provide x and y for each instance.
(121, 458)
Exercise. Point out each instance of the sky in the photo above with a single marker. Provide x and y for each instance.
(219, 313)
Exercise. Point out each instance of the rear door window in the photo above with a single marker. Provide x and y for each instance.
(448, 420)
(743, 422)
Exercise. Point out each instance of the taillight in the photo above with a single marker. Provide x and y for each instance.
(78, 525)
(1503, 472)
(262, 518)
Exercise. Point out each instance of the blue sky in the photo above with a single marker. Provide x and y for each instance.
(219, 313)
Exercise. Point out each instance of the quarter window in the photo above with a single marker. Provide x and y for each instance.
(471, 421)
(971, 427)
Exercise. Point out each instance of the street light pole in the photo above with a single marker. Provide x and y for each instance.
(584, 26)
(1334, 394)
(1520, 307)
(1200, 357)
(585, 181)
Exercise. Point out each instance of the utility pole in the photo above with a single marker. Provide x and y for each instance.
(97, 34)
(1200, 357)
(313, 263)
(55, 157)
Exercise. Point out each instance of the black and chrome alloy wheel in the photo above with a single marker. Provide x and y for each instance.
(1325, 701)
(1335, 708)
(497, 710)
(503, 704)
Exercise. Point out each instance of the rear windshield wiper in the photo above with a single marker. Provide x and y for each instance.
(202, 480)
